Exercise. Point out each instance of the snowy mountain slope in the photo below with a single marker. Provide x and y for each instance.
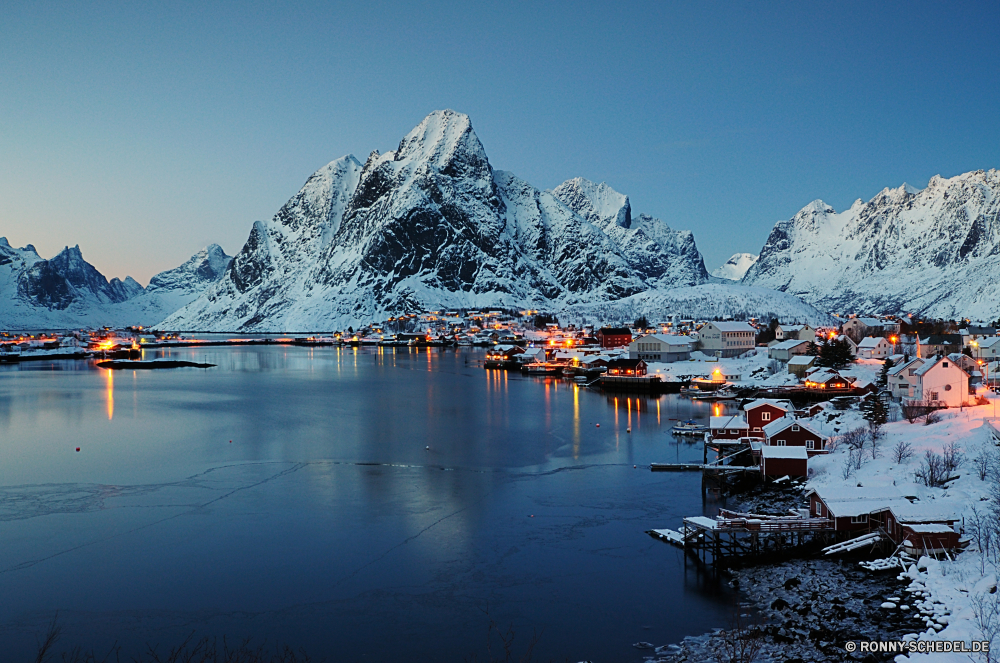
(68, 292)
(428, 225)
(658, 254)
(735, 267)
(703, 302)
(932, 251)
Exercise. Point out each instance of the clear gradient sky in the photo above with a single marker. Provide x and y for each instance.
(143, 131)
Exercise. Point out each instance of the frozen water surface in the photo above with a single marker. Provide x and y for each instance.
(325, 523)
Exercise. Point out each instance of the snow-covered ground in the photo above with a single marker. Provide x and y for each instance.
(946, 591)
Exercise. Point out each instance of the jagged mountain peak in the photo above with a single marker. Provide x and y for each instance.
(734, 268)
(432, 224)
(598, 203)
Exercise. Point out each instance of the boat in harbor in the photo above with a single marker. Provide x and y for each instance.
(542, 368)
(724, 394)
(689, 427)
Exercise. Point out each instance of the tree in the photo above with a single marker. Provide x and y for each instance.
(640, 323)
(767, 334)
(883, 377)
(543, 319)
(835, 353)
(812, 349)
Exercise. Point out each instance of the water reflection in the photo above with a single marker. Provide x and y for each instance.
(327, 522)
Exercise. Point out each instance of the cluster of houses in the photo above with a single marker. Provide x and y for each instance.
(779, 438)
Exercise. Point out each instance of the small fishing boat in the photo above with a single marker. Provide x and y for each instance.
(724, 394)
(689, 427)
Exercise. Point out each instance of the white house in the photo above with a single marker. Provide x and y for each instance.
(874, 347)
(727, 339)
(987, 349)
(942, 382)
(785, 350)
(661, 347)
(902, 379)
(798, 332)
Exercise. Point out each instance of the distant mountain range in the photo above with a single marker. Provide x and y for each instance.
(432, 225)
(68, 292)
(933, 251)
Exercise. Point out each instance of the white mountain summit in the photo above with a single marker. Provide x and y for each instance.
(734, 268)
(430, 225)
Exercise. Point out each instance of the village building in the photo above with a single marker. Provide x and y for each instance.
(940, 382)
(789, 432)
(778, 462)
(614, 337)
(827, 379)
(861, 327)
(795, 332)
(785, 350)
(937, 345)
(661, 348)
(728, 427)
(874, 347)
(987, 349)
(627, 367)
(763, 411)
(727, 339)
(799, 364)
(901, 380)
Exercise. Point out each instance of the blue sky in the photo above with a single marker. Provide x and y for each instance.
(144, 131)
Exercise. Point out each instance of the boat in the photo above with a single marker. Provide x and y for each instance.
(536, 368)
(724, 394)
(689, 427)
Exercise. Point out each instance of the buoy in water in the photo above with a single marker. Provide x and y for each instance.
(628, 430)
(230, 441)
(598, 425)
(78, 448)
(427, 448)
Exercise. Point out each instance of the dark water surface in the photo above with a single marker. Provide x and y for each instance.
(326, 524)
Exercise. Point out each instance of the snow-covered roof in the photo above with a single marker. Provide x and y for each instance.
(926, 512)
(779, 425)
(923, 370)
(788, 345)
(729, 421)
(801, 360)
(896, 370)
(792, 328)
(734, 327)
(930, 529)
(784, 405)
(797, 453)
(872, 322)
(872, 342)
(669, 339)
(989, 342)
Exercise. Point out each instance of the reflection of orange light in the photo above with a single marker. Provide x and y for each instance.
(110, 395)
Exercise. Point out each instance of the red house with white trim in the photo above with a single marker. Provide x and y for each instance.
(762, 412)
(789, 432)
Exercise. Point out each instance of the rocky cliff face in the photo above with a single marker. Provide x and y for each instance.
(932, 251)
(428, 225)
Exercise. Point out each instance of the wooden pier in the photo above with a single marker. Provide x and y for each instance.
(735, 538)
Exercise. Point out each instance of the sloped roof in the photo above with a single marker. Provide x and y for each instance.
(801, 360)
(734, 327)
(788, 345)
(784, 405)
(931, 364)
(871, 342)
(669, 339)
(728, 421)
(784, 423)
(797, 453)
(899, 368)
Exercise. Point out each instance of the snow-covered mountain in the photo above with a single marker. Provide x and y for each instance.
(734, 268)
(934, 251)
(429, 225)
(68, 292)
(656, 253)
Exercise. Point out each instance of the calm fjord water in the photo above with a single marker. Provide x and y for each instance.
(326, 524)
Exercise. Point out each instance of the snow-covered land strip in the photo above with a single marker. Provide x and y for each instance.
(701, 302)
